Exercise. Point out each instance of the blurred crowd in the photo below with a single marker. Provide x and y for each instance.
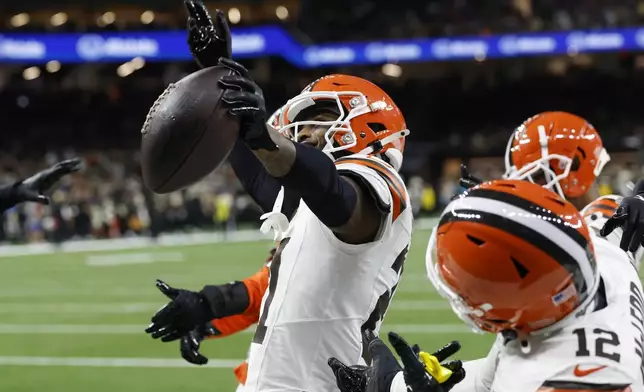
(459, 117)
(410, 18)
(457, 112)
(332, 20)
(108, 200)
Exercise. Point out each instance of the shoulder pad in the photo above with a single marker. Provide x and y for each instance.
(382, 177)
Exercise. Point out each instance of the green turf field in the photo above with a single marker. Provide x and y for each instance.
(74, 322)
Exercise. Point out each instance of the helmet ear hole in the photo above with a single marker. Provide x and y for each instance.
(575, 164)
(377, 127)
(395, 158)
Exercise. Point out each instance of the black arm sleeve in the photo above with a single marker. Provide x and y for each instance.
(226, 300)
(314, 177)
(256, 181)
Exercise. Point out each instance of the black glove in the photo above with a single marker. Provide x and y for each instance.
(416, 377)
(379, 376)
(629, 216)
(186, 310)
(245, 99)
(191, 342)
(207, 41)
(467, 180)
(32, 188)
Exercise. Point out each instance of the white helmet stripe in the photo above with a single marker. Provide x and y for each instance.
(541, 224)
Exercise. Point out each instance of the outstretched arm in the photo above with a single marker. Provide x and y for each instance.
(253, 177)
(341, 203)
(33, 188)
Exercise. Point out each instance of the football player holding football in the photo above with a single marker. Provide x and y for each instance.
(330, 161)
(516, 260)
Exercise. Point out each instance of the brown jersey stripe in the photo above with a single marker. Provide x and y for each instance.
(274, 269)
(605, 211)
(379, 311)
(605, 207)
(574, 386)
(526, 234)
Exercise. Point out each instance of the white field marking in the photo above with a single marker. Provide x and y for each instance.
(19, 293)
(416, 283)
(54, 292)
(404, 305)
(147, 307)
(428, 329)
(115, 362)
(135, 329)
(417, 288)
(80, 308)
(133, 258)
(71, 329)
(10, 252)
(164, 240)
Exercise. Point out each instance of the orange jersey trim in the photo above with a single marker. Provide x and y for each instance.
(396, 186)
(241, 373)
(231, 325)
(256, 286)
(605, 207)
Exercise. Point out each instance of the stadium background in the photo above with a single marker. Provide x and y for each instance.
(77, 78)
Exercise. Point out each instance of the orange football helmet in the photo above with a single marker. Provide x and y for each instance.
(369, 122)
(512, 256)
(562, 147)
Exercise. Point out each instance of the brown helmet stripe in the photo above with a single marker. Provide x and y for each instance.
(532, 208)
(525, 233)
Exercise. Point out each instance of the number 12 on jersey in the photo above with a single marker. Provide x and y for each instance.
(605, 341)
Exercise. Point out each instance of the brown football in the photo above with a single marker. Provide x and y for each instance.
(188, 132)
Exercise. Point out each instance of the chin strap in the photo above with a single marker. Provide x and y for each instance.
(275, 220)
(393, 156)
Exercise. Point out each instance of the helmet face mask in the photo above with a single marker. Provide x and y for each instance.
(340, 135)
(368, 121)
(542, 169)
(562, 147)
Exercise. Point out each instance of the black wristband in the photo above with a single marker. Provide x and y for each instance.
(226, 300)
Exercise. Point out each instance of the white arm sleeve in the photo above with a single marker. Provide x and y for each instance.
(474, 377)
(479, 373)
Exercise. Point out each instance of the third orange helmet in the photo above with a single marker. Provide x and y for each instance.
(560, 150)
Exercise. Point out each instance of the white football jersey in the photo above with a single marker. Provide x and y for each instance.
(604, 347)
(324, 292)
(597, 213)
